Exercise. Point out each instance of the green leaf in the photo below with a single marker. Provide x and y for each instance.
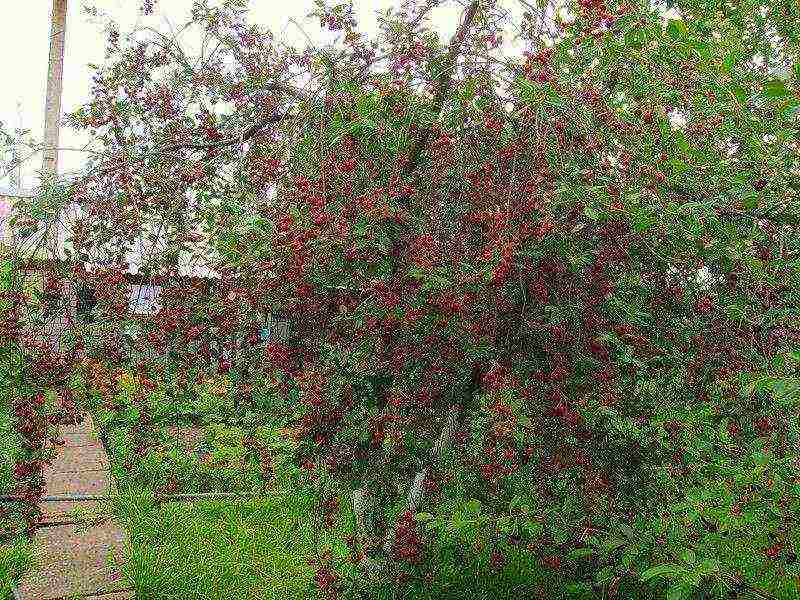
(680, 140)
(739, 92)
(634, 38)
(603, 575)
(708, 566)
(518, 503)
(534, 528)
(629, 532)
(675, 593)
(473, 507)
(750, 201)
(791, 110)
(424, 517)
(729, 62)
(776, 88)
(578, 589)
(505, 524)
(678, 166)
(591, 213)
(612, 544)
(579, 553)
(667, 570)
(677, 29)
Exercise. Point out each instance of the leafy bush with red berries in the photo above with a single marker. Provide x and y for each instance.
(542, 309)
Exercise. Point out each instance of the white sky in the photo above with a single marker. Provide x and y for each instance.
(24, 46)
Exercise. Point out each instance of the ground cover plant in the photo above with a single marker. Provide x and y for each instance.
(530, 317)
(15, 553)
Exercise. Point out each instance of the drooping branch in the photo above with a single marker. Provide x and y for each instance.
(442, 88)
(248, 133)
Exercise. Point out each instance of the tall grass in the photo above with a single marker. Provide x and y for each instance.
(214, 550)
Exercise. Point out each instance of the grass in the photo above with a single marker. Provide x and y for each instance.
(260, 549)
(208, 550)
(15, 559)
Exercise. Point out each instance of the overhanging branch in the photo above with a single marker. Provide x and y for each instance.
(443, 87)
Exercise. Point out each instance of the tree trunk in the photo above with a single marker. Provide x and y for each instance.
(364, 507)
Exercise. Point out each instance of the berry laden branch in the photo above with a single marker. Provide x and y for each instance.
(445, 83)
(361, 505)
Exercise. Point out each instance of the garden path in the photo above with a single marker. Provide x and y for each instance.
(76, 557)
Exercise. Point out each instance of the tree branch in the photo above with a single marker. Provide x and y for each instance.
(443, 87)
(248, 133)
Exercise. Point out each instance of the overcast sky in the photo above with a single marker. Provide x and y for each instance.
(24, 46)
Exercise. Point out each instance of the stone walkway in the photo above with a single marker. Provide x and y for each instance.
(75, 559)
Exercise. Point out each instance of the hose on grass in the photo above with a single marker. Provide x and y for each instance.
(166, 497)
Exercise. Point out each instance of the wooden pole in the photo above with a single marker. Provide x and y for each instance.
(55, 71)
(52, 122)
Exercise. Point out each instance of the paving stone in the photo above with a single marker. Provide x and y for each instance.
(80, 482)
(71, 459)
(78, 441)
(79, 436)
(64, 512)
(75, 562)
(85, 427)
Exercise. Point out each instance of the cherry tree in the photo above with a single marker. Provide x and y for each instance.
(539, 292)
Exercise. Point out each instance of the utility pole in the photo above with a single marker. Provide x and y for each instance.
(55, 71)
(52, 122)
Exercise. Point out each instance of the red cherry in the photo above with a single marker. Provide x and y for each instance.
(554, 562)
(704, 305)
(763, 426)
(774, 551)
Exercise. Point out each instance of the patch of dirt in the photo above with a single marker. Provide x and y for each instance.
(190, 438)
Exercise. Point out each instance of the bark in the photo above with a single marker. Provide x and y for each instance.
(376, 564)
(363, 508)
(444, 85)
(416, 494)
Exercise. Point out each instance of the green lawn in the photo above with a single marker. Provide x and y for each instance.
(260, 549)
(15, 553)
(220, 550)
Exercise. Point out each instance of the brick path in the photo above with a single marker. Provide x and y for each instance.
(72, 561)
